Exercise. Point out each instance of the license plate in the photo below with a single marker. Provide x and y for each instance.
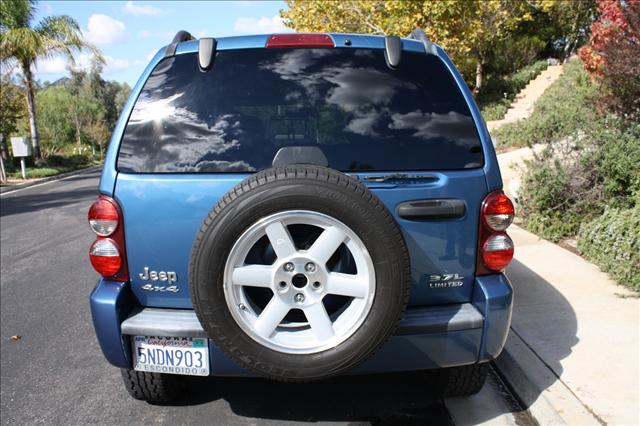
(171, 355)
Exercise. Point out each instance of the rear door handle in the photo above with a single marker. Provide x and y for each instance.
(444, 208)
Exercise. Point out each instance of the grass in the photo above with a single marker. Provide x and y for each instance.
(39, 172)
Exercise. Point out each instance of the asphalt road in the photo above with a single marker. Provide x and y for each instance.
(56, 374)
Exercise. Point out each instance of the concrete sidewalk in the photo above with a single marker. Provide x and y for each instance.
(574, 350)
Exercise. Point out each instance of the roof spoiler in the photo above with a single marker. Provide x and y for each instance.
(206, 48)
(420, 35)
(179, 37)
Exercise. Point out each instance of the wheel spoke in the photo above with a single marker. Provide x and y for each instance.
(252, 276)
(347, 285)
(280, 240)
(319, 321)
(270, 317)
(327, 244)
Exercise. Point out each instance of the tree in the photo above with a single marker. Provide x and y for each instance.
(468, 30)
(11, 106)
(55, 120)
(565, 23)
(25, 43)
(612, 55)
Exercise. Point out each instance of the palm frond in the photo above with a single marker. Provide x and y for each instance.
(62, 34)
(24, 44)
(16, 14)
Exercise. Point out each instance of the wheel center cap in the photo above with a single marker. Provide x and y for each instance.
(299, 280)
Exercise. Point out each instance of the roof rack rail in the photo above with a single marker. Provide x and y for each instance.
(180, 36)
(420, 35)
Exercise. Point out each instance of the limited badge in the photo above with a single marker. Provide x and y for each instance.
(446, 281)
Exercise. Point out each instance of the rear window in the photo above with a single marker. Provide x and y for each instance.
(347, 102)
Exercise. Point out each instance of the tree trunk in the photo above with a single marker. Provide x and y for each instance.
(31, 107)
(479, 75)
(76, 121)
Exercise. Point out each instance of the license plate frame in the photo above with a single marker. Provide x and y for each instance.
(171, 355)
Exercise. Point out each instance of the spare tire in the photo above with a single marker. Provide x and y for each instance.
(299, 273)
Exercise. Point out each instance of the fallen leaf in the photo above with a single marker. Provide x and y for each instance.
(15, 338)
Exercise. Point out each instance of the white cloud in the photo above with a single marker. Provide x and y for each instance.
(261, 25)
(60, 64)
(51, 65)
(146, 10)
(144, 34)
(115, 65)
(103, 29)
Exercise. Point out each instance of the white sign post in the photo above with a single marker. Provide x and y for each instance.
(21, 148)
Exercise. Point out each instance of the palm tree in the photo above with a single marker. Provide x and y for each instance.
(23, 43)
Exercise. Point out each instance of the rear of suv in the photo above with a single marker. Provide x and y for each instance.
(296, 207)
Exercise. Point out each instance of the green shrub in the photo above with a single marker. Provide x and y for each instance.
(71, 161)
(547, 200)
(496, 110)
(612, 241)
(598, 169)
(564, 108)
(499, 91)
(620, 165)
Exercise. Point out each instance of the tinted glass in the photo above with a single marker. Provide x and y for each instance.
(347, 102)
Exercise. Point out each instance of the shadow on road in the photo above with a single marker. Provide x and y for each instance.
(29, 200)
(401, 398)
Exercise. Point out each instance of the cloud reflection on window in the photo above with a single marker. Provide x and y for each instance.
(452, 125)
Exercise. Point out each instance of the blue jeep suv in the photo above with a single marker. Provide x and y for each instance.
(296, 207)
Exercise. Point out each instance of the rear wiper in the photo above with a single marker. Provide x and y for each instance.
(399, 177)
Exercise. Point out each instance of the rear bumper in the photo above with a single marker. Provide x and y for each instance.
(427, 337)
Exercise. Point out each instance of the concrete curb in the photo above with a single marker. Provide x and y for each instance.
(10, 188)
(528, 377)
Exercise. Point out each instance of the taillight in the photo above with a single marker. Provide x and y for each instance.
(497, 252)
(498, 211)
(300, 40)
(107, 255)
(494, 245)
(103, 217)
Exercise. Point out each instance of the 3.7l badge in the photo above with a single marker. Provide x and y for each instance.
(446, 281)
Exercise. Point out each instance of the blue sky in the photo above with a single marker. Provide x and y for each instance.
(129, 33)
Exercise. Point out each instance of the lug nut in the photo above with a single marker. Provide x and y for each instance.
(310, 267)
(288, 267)
(242, 306)
(299, 298)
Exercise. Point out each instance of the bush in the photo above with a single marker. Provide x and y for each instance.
(499, 91)
(72, 161)
(573, 181)
(612, 241)
(547, 200)
(565, 107)
(616, 160)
